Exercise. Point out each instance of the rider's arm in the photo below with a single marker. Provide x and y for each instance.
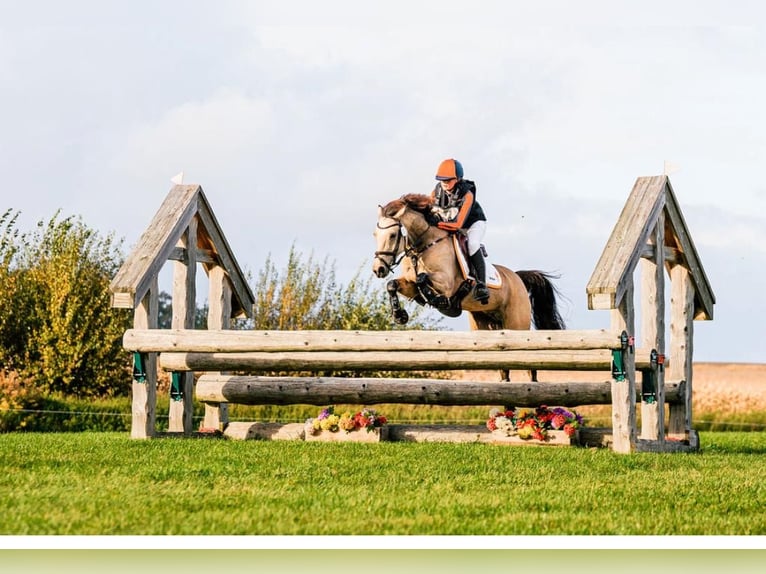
(465, 209)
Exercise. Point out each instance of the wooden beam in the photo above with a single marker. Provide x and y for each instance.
(144, 394)
(624, 391)
(620, 257)
(226, 341)
(587, 360)
(704, 297)
(653, 332)
(201, 255)
(181, 408)
(218, 319)
(259, 390)
(681, 346)
(145, 261)
(243, 294)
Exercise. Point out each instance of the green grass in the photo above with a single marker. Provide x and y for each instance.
(106, 483)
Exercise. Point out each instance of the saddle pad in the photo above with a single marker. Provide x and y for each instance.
(494, 280)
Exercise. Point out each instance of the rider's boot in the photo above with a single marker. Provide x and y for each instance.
(480, 291)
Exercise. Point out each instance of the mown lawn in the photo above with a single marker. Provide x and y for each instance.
(106, 483)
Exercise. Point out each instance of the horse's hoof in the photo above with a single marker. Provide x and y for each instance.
(401, 317)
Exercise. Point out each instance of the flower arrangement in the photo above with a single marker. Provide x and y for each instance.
(534, 424)
(327, 420)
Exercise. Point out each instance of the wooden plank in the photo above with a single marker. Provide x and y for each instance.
(265, 390)
(653, 330)
(218, 319)
(705, 299)
(145, 261)
(201, 255)
(264, 431)
(624, 392)
(227, 341)
(394, 361)
(144, 395)
(375, 435)
(244, 297)
(625, 245)
(681, 345)
(184, 310)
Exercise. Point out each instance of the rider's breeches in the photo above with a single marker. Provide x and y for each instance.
(475, 235)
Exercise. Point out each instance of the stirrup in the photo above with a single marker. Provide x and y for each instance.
(481, 293)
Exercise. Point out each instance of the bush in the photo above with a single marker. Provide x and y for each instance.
(305, 295)
(57, 327)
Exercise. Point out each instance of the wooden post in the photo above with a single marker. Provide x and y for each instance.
(184, 308)
(144, 414)
(653, 330)
(624, 392)
(219, 317)
(681, 337)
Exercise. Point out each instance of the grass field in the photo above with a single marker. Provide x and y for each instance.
(105, 483)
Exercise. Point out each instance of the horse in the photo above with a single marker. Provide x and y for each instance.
(406, 234)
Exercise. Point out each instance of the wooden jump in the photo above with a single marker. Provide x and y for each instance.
(650, 236)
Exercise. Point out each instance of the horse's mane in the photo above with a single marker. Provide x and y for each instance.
(417, 201)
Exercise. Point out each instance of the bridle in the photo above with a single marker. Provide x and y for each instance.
(393, 253)
(412, 250)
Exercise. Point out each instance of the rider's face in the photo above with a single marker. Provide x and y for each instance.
(448, 184)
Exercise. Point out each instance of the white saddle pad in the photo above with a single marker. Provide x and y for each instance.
(494, 280)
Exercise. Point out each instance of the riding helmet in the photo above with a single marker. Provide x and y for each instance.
(449, 169)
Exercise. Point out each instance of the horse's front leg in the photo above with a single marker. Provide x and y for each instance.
(406, 288)
(400, 313)
(427, 287)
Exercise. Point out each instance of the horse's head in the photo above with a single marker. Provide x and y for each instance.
(389, 243)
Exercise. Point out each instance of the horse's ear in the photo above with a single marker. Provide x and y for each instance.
(398, 214)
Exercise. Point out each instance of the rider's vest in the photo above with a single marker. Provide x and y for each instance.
(448, 204)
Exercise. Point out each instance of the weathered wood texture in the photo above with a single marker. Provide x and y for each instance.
(620, 257)
(704, 298)
(395, 361)
(226, 341)
(653, 330)
(255, 390)
(681, 345)
(155, 245)
(181, 409)
(650, 198)
(363, 435)
(158, 243)
(144, 407)
(624, 392)
(218, 319)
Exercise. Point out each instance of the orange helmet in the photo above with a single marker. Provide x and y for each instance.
(449, 169)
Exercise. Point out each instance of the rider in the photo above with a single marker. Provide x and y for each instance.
(455, 202)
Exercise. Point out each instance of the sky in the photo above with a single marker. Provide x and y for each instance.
(299, 118)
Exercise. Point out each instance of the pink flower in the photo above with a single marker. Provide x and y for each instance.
(569, 430)
(558, 421)
(491, 424)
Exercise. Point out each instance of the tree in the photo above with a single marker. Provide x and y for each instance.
(57, 326)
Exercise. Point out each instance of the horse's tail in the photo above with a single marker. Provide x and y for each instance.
(542, 295)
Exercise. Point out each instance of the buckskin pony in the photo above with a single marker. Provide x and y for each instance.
(431, 274)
